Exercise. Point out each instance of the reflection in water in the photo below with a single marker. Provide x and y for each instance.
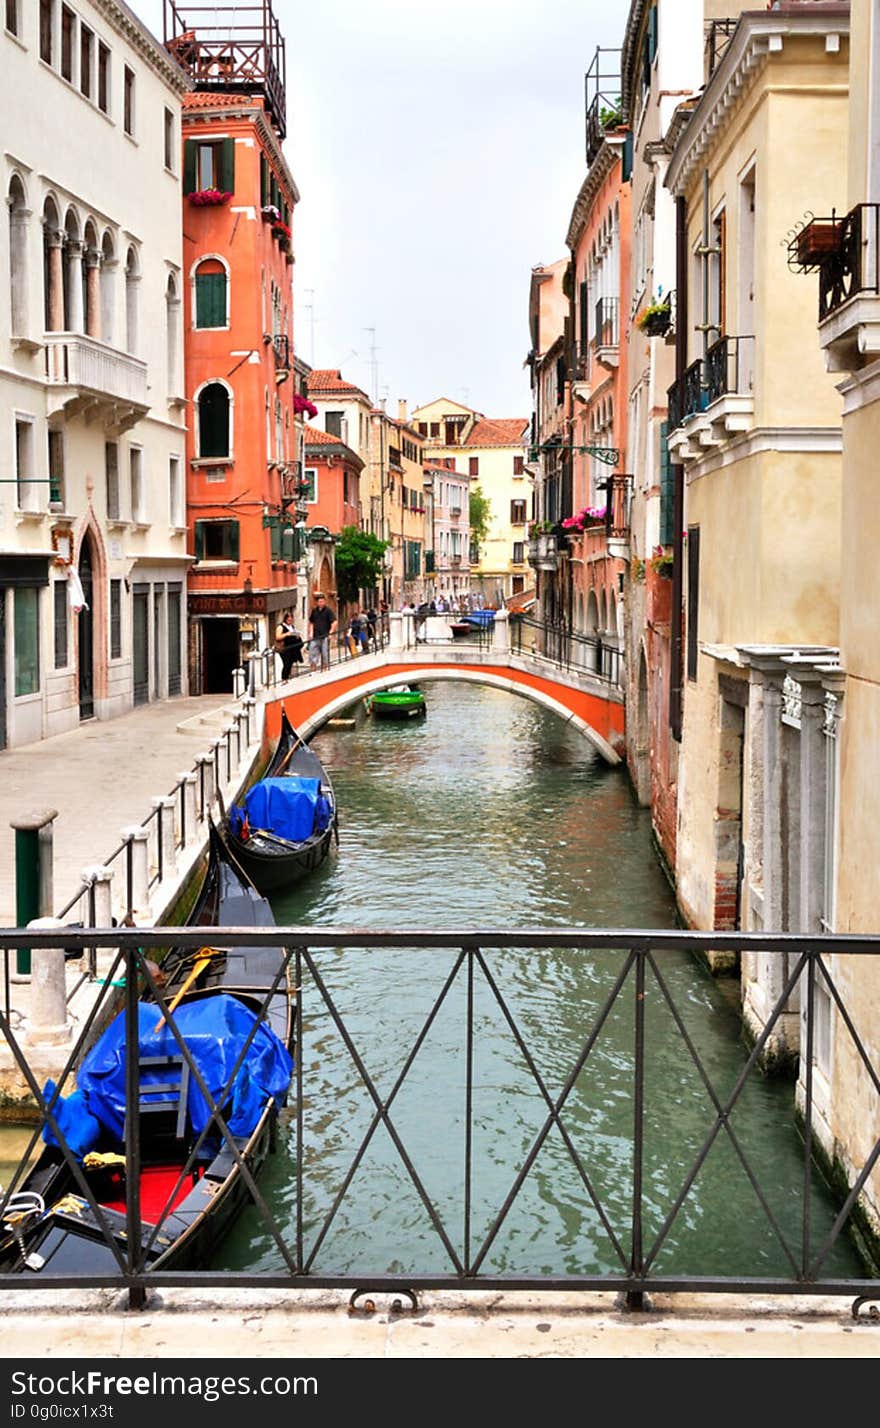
(490, 813)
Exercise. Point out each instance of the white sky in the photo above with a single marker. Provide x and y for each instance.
(438, 150)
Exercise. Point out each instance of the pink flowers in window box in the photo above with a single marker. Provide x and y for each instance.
(585, 519)
(209, 197)
(302, 404)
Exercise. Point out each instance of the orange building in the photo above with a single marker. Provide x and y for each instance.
(244, 481)
(332, 480)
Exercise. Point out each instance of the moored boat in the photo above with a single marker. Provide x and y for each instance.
(401, 702)
(284, 826)
(189, 1182)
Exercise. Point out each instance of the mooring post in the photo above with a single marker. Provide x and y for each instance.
(33, 875)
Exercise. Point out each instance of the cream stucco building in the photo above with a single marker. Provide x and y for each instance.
(92, 505)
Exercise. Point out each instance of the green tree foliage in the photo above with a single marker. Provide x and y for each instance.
(359, 560)
(479, 517)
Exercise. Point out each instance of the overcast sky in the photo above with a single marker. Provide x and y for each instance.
(438, 149)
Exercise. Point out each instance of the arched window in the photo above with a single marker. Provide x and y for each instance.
(172, 324)
(18, 217)
(108, 279)
(73, 274)
(53, 268)
(132, 278)
(211, 297)
(214, 420)
(279, 433)
(91, 276)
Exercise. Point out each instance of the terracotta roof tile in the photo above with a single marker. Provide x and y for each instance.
(500, 431)
(314, 436)
(215, 99)
(331, 381)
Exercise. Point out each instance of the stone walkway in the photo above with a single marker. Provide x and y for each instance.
(100, 776)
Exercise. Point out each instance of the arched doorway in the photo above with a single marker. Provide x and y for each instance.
(86, 635)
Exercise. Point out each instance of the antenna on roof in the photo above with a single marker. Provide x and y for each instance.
(374, 365)
(310, 309)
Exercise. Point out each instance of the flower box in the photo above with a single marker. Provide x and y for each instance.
(209, 197)
(819, 240)
(655, 321)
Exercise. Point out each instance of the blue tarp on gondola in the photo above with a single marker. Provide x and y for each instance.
(285, 806)
(214, 1029)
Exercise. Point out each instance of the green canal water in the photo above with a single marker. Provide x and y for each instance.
(489, 813)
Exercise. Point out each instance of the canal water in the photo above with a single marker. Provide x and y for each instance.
(490, 813)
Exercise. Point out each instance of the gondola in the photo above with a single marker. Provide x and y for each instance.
(189, 1194)
(283, 828)
(400, 702)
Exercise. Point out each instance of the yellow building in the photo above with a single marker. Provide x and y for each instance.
(491, 453)
(755, 422)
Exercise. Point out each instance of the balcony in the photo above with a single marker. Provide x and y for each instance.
(849, 284)
(90, 379)
(713, 399)
(281, 349)
(543, 550)
(454, 512)
(602, 93)
(607, 339)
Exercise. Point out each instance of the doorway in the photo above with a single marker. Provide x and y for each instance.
(219, 655)
(86, 635)
(140, 643)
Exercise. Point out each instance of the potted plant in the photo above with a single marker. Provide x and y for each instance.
(656, 318)
(662, 562)
(270, 213)
(820, 239)
(209, 197)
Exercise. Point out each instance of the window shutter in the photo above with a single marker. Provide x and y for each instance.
(233, 540)
(189, 166)
(227, 165)
(584, 316)
(287, 536)
(264, 181)
(199, 548)
(666, 488)
(693, 598)
(627, 160)
(275, 541)
(652, 34)
(210, 299)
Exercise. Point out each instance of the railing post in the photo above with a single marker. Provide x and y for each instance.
(137, 839)
(501, 633)
(238, 683)
(188, 806)
(48, 1022)
(209, 787)
(395, 630)
(215, 755)
(165, 846)
(99, 880)
(247, 708)
(635, 1297)
(236, 730)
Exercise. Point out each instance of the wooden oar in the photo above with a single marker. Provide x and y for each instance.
(200, 965)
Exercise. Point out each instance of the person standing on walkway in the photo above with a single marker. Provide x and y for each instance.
(288, 644)
(322, 623)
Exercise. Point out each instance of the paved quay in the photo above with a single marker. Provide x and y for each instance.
(100, 776)
(230, 1325)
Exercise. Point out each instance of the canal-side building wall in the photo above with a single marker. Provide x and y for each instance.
(761, 454)
(548, 322)
(92, 521)
(344, 411)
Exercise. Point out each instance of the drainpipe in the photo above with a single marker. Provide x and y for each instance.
(681, 335)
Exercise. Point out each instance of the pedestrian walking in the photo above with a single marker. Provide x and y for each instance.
(288, 643)
(322, 624)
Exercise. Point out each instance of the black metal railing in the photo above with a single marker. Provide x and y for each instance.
(685, 396)
(465, 1236)
(729, 367)
(602, 95)
(607, 322)
(854, 265)
(569, 649)
(718, 36)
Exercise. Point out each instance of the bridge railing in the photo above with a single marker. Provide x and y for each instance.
(590, 654)
(621, 1189)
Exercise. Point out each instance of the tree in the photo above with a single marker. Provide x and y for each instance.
(478, 513)
(359, 561)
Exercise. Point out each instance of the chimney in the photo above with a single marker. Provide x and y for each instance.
(401, 410)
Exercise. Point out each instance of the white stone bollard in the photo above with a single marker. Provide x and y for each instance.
(100, 879)
(189, 806)
(501, 632)
(238, 683)
(48, 1020)
(396, 631)
(206, 766)
(165, 849)
(138, 895)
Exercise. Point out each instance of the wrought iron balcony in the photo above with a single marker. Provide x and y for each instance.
(602, 92)
(713, 398)
(87, 375)
(685, 396)
(846, 253)
(281, 348)
(730, 365)
(242, 51)
(606, 339)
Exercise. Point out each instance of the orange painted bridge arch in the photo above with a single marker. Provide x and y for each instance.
(312, 699)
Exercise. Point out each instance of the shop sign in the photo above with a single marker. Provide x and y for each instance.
(227, 604)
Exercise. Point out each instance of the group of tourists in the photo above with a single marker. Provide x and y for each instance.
(361, 634)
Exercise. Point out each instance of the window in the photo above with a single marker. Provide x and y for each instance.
(46, 37)
(333, 423)
(59, 594)
(209, 164)
(86, 50)
(24, 463)
(216, 540)
(26, 621)
(518, 552)
(211, 294)
(423, 428)
(12, 16)
(473, 465)
(18, 233)
(68, 30)
(103, 78)
(169, 140)
(132, 278)
(111, 474)
(115, 619)
(517, 466)
(214, 420)
(128, 100)
(138, 495)
(434, 428)
(172, 325)
(311, 492)
(175, 504)
(517, 513)
(693, 598)
(667, 488)
(56, 468)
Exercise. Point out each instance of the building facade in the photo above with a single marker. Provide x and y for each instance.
(93, 555)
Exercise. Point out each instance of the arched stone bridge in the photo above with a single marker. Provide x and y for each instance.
(588, 702)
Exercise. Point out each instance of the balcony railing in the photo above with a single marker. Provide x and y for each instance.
(96, 369)
(607, 310)
(618, 495)
(281, 348)
(685, 396)
(602, 93)
(853, 265)
(718, 36)
(730, 366)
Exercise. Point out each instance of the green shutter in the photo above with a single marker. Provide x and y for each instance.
(627, 159)
(264, 181)
(210, 299)
(667, 529)
(227, 165)
(652, 34)
(189, 166)
(275, 194)
(199, 540)
(233, 540)
(275, 541)
(287, 543)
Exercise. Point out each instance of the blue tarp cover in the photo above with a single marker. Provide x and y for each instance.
(285, 806)
(214, 1030)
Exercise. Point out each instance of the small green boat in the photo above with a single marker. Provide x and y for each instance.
(401, 702)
